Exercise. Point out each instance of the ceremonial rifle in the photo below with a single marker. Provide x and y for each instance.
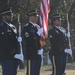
(20, 33)
(68, 28)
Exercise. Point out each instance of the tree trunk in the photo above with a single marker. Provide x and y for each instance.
(71, 9)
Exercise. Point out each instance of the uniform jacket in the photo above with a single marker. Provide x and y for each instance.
(8, 42)
(58, 40)
(32, 41)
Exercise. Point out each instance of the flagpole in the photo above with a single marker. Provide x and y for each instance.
(44, 10)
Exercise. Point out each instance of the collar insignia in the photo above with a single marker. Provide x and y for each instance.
(57, 31)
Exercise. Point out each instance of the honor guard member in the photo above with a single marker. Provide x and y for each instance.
(33, 50)
(59, 42)
(9, 45)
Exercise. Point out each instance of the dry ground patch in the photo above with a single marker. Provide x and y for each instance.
(46, 70)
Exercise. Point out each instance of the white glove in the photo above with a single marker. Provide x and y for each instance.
(40, 52)
(68, 34)
(40, 30)
(69, 51)
(19, 56)
(19, 39)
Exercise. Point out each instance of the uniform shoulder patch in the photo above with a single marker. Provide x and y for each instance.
(26, 34)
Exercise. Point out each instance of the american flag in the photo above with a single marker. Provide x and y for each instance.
(44, 10)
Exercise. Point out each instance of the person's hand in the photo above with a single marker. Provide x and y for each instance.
(40, 30)
(19, 39)
(19, 56)
(68, 34)
(69, 51)
(40, 52)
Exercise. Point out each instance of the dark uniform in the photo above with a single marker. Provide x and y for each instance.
(8, 48)
(32, 41)
(59, 42)
(32, 45)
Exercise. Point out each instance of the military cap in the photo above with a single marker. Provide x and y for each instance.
(55, 16)
(6, 12)
(32, 13)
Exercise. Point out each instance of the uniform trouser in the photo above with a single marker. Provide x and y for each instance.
(50, 57)
(58, 64)
(33, 67)
(9, 67)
